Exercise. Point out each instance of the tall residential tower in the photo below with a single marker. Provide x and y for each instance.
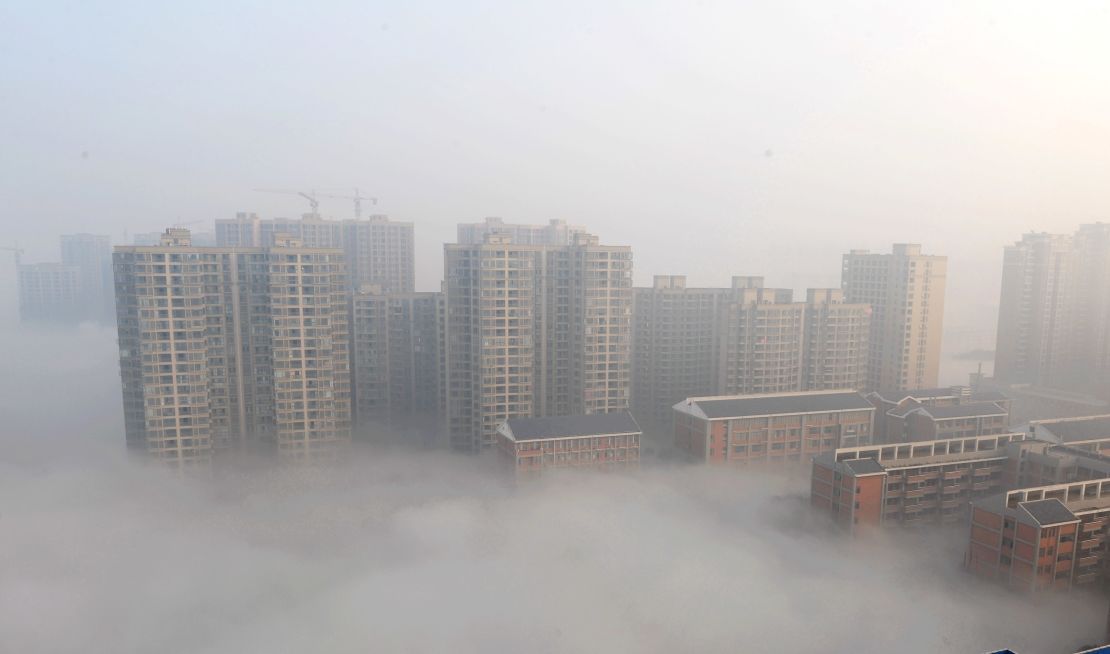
(906, 292)
(534, 330)
(221, 347)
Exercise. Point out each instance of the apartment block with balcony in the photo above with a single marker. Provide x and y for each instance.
(229, 347)
(742, 339)
(837, 341)
(396, 363)
(676, 334)
(762, 335)
(905, 290)
(1044, 538)
(912, 483)
(531, 446)
(777, 429)
(532, 331)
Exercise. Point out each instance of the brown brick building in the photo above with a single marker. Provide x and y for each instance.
(1040, 538)
(891, 406)
(774, 428)
(928, 423)
(599, 440)
(910, 483)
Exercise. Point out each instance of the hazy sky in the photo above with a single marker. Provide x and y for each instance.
(716, 138)
(396, 552)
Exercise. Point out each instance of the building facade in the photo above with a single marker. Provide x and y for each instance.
(226, 347)
(784, 428)
(905, 290)
(378, 251)
(741, 340)
(1054, 313)
(891, 406)
(49, 292)
(534, 330)
(396, 354)
(912, 483)
(530, 446)
(91, 254)
(555, 232)
(1043, 538)
(676, 341)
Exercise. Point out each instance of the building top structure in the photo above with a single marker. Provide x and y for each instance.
(773, 404)
(597, 424)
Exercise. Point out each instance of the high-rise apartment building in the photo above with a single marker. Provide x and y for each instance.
(762, 333)
(742, 339)
(837, 341)
(379, 251)
(1054, 312)
(221, 347)
(91, 254)
(49, 292)
(1035, 340)
(397, 343)
(906, 292)
(676, 344)
(555, 232)
(534, 330)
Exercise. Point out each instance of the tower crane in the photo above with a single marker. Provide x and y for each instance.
(357, 197)
(18, 251)
(310, 196)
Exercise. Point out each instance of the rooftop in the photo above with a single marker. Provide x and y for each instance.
(864, 466)
(1048, 512)
(1077, 429)
(597, 424)
(744, 406)
(963, 411)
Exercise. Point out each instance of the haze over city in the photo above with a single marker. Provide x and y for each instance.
(659, 327)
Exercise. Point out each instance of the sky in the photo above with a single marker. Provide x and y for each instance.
(715, 138)
(429, 552)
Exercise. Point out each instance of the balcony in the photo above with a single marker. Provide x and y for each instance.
(1086, 578)
(1088, 543)
(1087, 561)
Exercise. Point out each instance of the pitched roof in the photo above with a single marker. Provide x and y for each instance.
(597, 424)
(1048, 512)
(769, 405)
(1079, 430)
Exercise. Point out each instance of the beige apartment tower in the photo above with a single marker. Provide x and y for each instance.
(906, 292)
(534, 330)
(224, 347)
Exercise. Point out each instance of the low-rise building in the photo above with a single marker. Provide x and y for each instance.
(928, 423)
(892, 406)
(910, 483)
(599, 440)
(778, 428)
(1091, 433)
(1045, 537)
